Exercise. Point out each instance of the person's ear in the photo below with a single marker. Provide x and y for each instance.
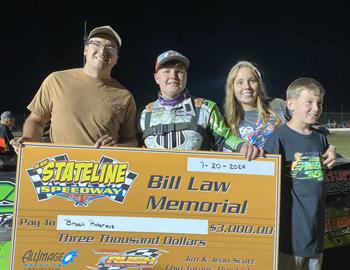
(290, 104)
(115, 61)
(156, 77)
(85, 49)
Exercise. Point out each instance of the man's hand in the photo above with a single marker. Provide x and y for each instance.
(250, 151)
(330, 157)
(105, 140)
(17, 143)
(32, 131)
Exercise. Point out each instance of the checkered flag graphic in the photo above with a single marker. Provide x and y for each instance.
(36, 176)
(124, 187)
(146, 252)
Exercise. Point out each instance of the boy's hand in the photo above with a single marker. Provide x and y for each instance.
(330, 157)
(250, 151)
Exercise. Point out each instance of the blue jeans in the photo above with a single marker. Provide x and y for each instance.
(291, 262)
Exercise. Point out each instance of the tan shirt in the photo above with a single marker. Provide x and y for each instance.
(83, 109)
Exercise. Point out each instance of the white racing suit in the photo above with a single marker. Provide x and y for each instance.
(193, 124)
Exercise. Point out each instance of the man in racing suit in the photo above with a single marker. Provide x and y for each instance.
(176, 120)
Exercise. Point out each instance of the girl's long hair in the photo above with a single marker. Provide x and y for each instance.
(233, 109)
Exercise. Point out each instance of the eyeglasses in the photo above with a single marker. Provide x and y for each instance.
(110, 49)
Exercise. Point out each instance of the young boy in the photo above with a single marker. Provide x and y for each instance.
(179, 121)
(302, 186)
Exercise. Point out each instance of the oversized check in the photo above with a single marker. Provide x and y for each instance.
(133, 208)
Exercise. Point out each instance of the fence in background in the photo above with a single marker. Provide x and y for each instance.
(326, 117)
(340, 119)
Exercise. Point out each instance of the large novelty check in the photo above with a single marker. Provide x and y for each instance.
(127, 208)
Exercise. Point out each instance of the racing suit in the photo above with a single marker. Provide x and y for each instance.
(191, 124)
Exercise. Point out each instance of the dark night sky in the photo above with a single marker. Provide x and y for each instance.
(286, 41)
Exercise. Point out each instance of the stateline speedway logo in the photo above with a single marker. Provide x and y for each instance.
(81, 181)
